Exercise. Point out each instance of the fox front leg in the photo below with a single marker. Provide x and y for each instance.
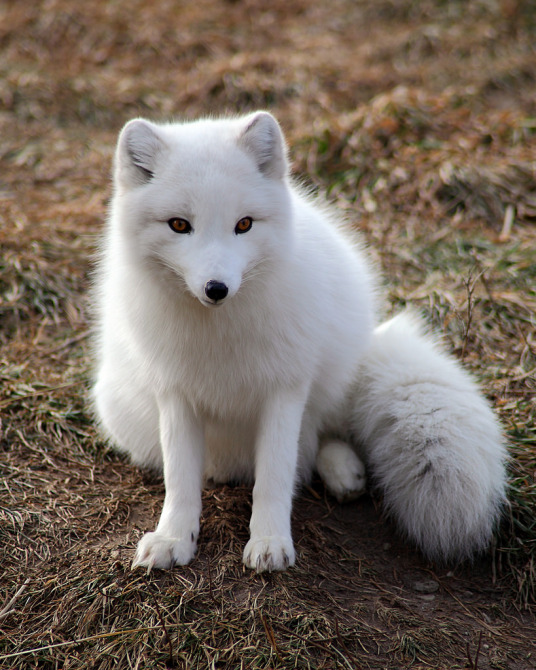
(174, 542)
(270, 546)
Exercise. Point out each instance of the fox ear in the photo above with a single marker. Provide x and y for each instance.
(137, 154)
(262, 138)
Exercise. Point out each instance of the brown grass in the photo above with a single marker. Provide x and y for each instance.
(417, 119)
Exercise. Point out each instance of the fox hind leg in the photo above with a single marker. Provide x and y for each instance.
(341, 470)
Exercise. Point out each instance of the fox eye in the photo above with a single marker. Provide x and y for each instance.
(179, 225)
(243, 225)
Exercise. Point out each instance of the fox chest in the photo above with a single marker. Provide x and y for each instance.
(227, 372)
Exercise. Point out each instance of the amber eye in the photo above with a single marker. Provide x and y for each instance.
(178, 225)
(244, 225)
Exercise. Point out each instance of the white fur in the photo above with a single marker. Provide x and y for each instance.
(241, 388)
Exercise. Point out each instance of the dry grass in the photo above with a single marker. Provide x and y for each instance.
(417, 118)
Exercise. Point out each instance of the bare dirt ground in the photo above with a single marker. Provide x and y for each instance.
(418, 119)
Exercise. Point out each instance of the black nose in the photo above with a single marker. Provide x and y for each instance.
(216, 290)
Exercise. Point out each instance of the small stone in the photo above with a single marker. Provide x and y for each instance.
(425, 586)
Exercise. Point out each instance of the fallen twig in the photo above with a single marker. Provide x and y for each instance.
(8, 607)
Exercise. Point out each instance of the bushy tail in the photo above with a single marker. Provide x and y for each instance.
(431, 442)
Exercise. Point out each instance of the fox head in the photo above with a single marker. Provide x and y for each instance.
(209, 201)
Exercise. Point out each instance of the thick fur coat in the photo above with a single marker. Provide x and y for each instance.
(237, 340)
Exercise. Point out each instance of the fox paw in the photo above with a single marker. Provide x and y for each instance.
(268, 554)
(341, 470)
(156, 550)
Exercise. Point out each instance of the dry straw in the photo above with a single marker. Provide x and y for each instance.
(418, 120)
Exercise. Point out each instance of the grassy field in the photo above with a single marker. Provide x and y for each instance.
(418, 121)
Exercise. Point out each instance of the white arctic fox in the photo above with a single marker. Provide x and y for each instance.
(237, 341)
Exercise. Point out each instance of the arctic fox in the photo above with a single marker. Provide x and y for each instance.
(237, 341)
